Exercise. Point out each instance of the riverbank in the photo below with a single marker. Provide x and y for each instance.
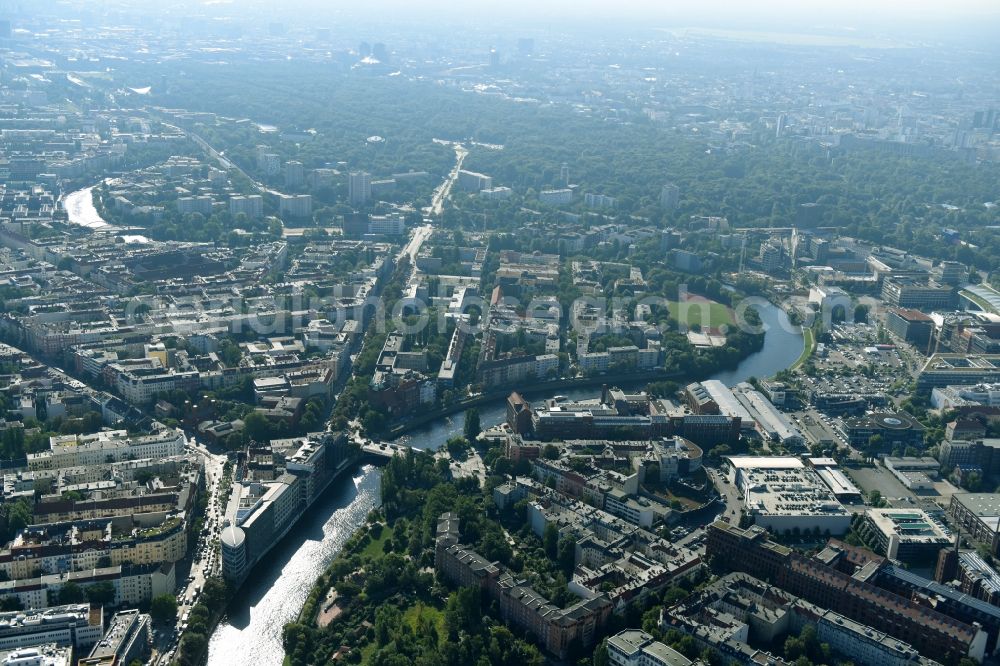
(783, 344)
(808, 349)
(344, 466)
(543, 387)
(251, 631)
(281, 584)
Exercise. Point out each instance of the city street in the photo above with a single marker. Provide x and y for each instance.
(203, 551)
(729, 493)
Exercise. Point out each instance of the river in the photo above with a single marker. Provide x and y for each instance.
(782, 346)
(80, 209)
(279, 586)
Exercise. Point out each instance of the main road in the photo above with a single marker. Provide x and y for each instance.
(420, 234)
(443, 190)
(223, 161)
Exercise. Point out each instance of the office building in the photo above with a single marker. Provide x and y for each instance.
(896, 430)
(951, 397)
(261, 511)
(960, 369)
(74, 625)
(128, 640)
(393, 224)
(912, 326)
(470, 181)
(496, 193)
(952, 273)
(772, 256)
(689, 262)
(982, 454)
(909, 292)
(979, 515)
(907, 535)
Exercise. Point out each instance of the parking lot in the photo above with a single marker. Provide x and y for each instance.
(880, 479)
(896, 494)
(818, 428)
(853, 353)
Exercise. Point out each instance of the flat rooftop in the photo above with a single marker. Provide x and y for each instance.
(984, 505)
(765, 462)
(910, 525)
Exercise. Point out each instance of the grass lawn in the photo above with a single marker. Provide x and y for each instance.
(419, 615)
(697, 312)
(374, 548)
(807, 351)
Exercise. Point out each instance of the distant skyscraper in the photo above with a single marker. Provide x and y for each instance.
(564, 174)
(5, 30)
(494, 58)
(359, 188)
(780, 125)
(364, 49)
(670, 196)
(380, 52)
(295, 174)
(295, 205)
(526, 46)
(252, 206)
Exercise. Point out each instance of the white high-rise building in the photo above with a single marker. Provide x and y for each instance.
(556, 197)
(359, 188)
(252, 206)
(295, 174)
(295, 205)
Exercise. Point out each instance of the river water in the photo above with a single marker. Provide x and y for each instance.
(782, 346)
(279, 586)
(80, 209)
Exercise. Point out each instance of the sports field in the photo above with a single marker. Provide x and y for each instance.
(702, 312)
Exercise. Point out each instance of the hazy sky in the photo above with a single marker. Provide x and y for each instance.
(928, 17)
(799, 9)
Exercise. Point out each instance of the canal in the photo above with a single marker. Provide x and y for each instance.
(279, 586)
